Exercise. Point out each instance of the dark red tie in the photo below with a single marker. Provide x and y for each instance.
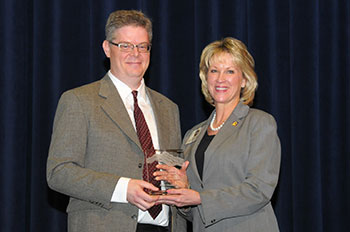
(148, 149)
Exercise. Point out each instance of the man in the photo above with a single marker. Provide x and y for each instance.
(97, 149)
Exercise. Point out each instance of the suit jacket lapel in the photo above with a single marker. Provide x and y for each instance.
(232, 125)
(161, 118)
(192, 156)
(115, 109)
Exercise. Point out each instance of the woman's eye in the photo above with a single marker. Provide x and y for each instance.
(230, 71)
(213, 70)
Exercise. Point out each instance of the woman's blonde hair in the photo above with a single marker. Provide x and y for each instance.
(240, 56)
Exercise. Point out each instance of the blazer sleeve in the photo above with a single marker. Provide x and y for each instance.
(66, 172)
(256, 189)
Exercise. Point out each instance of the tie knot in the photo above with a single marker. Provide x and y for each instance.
(134, 94)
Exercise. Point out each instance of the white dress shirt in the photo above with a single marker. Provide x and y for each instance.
(120, 191)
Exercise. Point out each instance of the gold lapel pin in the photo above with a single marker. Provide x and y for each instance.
(234, 123)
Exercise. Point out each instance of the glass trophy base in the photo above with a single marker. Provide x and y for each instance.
(157, 193)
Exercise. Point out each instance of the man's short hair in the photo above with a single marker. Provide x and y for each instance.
(121, 18)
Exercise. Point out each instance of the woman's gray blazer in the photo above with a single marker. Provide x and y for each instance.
(240, 173)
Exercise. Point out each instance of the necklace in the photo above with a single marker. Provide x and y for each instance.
(212, 122)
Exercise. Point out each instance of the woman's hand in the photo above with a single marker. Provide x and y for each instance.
(176, 177)
(180, 197)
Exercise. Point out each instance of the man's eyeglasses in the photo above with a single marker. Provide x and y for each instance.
(128, 47)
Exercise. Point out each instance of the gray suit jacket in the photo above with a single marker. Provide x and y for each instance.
(93, 144)
(240, 173)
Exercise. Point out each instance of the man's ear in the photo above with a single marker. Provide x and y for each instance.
(106, 48)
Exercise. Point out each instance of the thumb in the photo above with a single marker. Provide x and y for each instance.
(185, 165)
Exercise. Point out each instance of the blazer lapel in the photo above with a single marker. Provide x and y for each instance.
(115, 109)
(232, 125)
(162, 115)
(160, 118)
(192, 157)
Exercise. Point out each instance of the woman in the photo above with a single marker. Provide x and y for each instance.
(234, 156)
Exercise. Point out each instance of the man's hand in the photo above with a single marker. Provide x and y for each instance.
(137, 196)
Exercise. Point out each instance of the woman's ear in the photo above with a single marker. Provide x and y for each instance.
(244, 81)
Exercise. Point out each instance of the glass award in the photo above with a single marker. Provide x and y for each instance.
(170, 157)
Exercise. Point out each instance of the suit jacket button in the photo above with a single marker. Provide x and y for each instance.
(134, 217)
(140, 165)
(212, 221)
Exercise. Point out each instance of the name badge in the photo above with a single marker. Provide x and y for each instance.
(193, 136)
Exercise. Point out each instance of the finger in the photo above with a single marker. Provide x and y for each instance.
(149, 198)
(170, 203)
(144, 205)
(159, 202)
(160, 173)
(147, 185)
(174, 191)
(146, 201)
(140, 206)
(185, 165)
(167, 202)
(161, 178)
(170, 198)
(163, 166)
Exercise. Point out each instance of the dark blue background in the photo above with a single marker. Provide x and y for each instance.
(301, 49)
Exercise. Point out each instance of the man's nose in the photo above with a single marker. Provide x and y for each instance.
(135, 51)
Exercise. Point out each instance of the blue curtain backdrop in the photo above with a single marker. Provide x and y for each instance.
(301, 48)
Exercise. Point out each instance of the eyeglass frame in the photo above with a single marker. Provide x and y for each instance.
(132, 46)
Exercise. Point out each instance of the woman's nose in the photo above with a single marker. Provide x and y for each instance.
(221, 76)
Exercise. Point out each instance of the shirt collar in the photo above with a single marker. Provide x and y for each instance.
(125, 91)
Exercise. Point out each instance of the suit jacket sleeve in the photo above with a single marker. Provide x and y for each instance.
(66, 172)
